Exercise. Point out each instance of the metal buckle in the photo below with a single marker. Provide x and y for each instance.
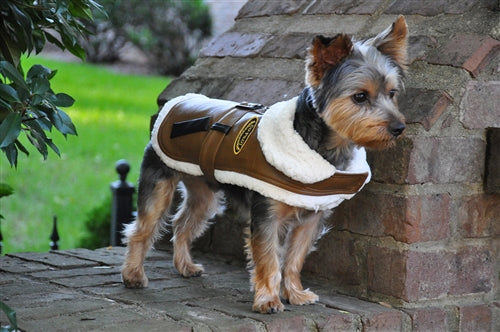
(250, 106)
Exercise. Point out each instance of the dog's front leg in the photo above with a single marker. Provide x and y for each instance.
(300, 243)
(263, 246)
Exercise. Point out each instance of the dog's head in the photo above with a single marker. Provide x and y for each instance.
(355, 84)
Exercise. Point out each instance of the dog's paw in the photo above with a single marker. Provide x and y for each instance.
(268, 307)
(300, 297)
(134, 278)
(191, 270)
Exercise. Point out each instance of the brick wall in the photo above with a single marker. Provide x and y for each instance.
(424, 234)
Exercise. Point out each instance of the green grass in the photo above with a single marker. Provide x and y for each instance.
(111, 114)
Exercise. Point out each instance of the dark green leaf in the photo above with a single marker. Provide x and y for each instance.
(63, 100)
(56, 120)
(62, 122)
(39, 40)
(52, 74)
(80, 10)
(38, 71)
(5, 190)
(11, 315)
(37, 100)
(46, 108)
(4, 106)
(99, 8)
(69, 126)
(40, 111)
(42, 141)
(11, 154)
(8, 93)
(3, 113)
(37, 139)
(33, 126)
(10, 129)
(23, 93)
(11, 73)
(68, 37)
(77, 50)
(40, 85)
(52, 146)
(23, 26)
(44, 123)
(53, 40)
(11, 54)
(22, 148)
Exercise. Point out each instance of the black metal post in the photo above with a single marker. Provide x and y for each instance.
(54, 237)
(121, 209)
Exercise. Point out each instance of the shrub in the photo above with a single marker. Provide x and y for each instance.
(169, 32)
(97, 224)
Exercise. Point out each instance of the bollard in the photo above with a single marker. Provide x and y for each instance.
(121, 208)
(54, 237)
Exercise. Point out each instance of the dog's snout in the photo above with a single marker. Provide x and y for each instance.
(396, 128)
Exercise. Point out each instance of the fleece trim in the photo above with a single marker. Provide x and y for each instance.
(315, 203)
(285, 149)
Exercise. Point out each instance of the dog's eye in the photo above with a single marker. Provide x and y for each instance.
(360, 98)
(392, 93)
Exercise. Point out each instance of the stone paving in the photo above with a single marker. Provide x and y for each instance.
(80, 290)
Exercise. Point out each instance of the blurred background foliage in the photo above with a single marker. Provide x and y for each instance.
(169, 33)
(97, 104)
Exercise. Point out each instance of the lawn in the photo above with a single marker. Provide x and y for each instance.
(111, 114)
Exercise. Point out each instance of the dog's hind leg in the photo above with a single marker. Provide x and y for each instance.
(200, 204)
(300, 242)
(157, 185)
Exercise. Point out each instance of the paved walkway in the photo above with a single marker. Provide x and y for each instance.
(80, 290)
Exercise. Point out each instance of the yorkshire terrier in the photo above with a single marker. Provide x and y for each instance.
(349, 102)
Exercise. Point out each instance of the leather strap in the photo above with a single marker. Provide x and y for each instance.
(213, 140)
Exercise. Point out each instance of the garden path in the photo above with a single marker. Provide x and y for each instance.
(80, 289)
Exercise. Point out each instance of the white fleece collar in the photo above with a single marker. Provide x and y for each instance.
(287, 151)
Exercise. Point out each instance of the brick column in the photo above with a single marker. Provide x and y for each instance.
(424, 234)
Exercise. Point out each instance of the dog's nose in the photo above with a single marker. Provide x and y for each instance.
(396, 128)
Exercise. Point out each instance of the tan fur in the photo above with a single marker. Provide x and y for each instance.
(141, 234)
(366, 128)
(278, 254)
(266, 275)
(395, 44)
(301, 241)
(200, 205)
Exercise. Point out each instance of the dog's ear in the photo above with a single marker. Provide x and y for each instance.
(393, 41)
(326, 53)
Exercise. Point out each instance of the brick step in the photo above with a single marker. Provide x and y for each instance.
(82, 288)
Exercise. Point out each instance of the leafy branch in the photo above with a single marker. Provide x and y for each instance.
(27, 103)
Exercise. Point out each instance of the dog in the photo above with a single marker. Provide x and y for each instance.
(349, 103)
